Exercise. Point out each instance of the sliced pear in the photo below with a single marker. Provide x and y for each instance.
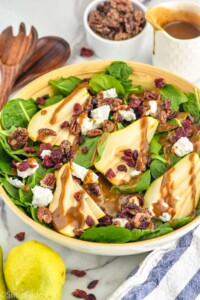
(35, 271)
(179, 186)
(68, 213)
(2, 281)
(54, 115)
(134, 137)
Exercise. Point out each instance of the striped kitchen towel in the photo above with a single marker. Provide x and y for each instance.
(169, 273)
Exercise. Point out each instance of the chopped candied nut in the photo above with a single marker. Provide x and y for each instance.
(108, 126)
(29, 150)
(43, 133)
(110, 174)
(18, 138)
(142, 219)
(114, 103)
(94, 132)
(20, 236)
(89, 221)
(74, 127)
(134, 101)
(48, 181)
(44, 215)
(65, 147)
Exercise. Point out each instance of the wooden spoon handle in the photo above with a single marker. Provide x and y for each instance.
(8, 77)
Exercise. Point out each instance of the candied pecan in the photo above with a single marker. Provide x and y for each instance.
(77, 109)
(150, 95)
(94, 132)
(48, 181)
(89, 221)
(44, 215)
(159, 83)
(47, 162)
(78, 231)
(64, 124)
(65, 147)
(129, 22)
(105, 221)
(134, 101)
(20, 236)
(128, 152)
(78, 273)
(74, 127)
(81, 294)
(84, 149)
(94, 189)
(122, 168)
(86, 52)
(114, 103)
(29, 149)
(110, 174)
(141, 219)
(88, 105)
(43, 133)
(18, 138)
(92, 284)
(79, 195)
(108, 126)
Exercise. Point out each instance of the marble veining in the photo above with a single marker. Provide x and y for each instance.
(64, 18)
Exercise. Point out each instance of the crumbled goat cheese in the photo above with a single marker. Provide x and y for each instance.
(41, 196)
(111, 93)
(45, 153)
(100, 114)
(135, 173)
(28, 172)
(183, 147)
(16, 182)
(128, 115)
(87, 124)
(150, 209)
(152, 109)
(80, 172)
(121, 222)
(165, 217)
(178, 198)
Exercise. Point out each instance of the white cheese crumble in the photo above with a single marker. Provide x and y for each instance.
(165, 217)
(100, 114)
(178, 198)
(28, 172)
(152, 108)
(45, 153)
(128, 115)
(121, 222)
(135, 173)
(80, 172)
(41, 196)
(111, 93)
(183, 147)
(16, 182)
(87, 124)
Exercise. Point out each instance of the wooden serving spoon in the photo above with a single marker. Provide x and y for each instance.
(15, 50)
(51, 53)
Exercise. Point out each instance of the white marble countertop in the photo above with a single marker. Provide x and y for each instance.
(64, 18)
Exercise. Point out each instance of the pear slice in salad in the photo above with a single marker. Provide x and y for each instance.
(136, 136)
(70, 212)
(176, 192)
(53, 116)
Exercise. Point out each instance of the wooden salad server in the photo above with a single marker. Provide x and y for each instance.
(14, 51)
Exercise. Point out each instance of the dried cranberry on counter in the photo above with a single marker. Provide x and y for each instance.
(20, 236)
(86, 52)
(78, 273)
(81, 294)
(92, 284)
(90, 297)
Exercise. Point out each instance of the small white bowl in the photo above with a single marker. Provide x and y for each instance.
(109, 49)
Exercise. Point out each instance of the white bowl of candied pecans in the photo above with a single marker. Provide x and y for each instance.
(115, 29)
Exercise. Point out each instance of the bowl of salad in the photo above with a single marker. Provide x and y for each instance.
(103, 157)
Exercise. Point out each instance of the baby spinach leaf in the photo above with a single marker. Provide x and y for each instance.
(10, 189)
(120, 126)
(102, 82)
(25, 197)
(157, 168)
(34, 179)
(176, 96)
(192, 106)
(142, 185)
(120, 70)
(84, 159)
(155, 146)
(158, 157)
(108, 234)
(5, 162)
(181, 222)
(18, 113)
(174, 159)
(156, 233)
(52, 100)
(135, 89)
(65, 85)
(136, 234)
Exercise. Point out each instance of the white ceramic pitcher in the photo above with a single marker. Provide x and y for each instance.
(179, 56)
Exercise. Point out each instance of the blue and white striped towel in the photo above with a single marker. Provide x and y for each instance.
(169, 273)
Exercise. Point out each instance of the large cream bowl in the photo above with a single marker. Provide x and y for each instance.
(143, 74)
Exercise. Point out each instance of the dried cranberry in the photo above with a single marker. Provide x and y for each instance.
(29, 149)
(135, 155)
(84, 149)
(81, 294)
(90, 297)
(150, 95)
(57, 156)
(80, 140)
(14, 164)
(65, 124)
(159, 83)
(58, 166)
(77, 108)
(23, 166)
(130, 161)
(92, 284)
(110, 174)
(94, 189)
(20, 236)
(78, 273)
(77, 180)
(105, 221)
(89, 221)
(40, 101)
(79, 195)
(128, 152)
(122, 168)
(86, 52)
(134, 102)
(47, 162)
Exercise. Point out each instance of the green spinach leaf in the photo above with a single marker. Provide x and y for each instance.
(5, 162)
(176, 96)
(65, 85)
(157, 168)
(181, 222)
(52, 100)
(192, 106)
(136, 234)
(102, 82)
(18, 113)
(162, 230)
(10, 189)
(120, 70)
(108, 234)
